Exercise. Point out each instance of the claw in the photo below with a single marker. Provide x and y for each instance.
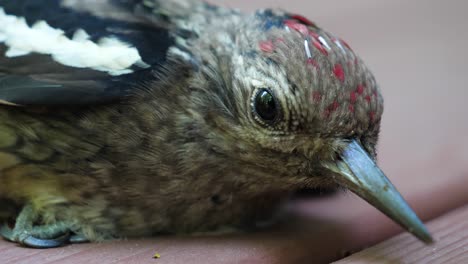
(26, 233)
(34, 242)
(31, 241)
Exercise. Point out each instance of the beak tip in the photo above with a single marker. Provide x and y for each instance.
(429, 240)
(423, 235)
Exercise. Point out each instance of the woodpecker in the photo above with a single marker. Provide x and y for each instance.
(131, 118)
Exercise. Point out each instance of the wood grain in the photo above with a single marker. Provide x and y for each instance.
(450, 232)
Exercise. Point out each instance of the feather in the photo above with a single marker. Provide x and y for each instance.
(55, 52)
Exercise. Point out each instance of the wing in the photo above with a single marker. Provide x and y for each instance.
(64, 52)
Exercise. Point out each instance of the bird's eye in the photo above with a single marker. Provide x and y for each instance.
(266, 106)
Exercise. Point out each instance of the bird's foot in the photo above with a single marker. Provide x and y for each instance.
(42, 236)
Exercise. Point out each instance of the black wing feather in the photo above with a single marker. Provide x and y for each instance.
(37, 79)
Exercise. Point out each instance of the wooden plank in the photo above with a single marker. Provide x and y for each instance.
(450, 232)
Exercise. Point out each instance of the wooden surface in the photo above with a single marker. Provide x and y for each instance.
(417, 50)
(450, 232)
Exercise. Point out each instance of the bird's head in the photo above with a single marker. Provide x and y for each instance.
(299, 83)
(304, 109)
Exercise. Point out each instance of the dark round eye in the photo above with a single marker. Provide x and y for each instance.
(266, 105)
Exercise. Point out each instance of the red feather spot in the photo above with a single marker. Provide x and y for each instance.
(360, 89)
(279, 40)
(334, 106)
(316, 96)
(316, 42)
(339, 72)
(293, 24)
(266, 46)
(319, 46)
(368, 98)
(353, 97)
(372, 116)
(351, 108)
(312, 62)
(303, 20)
(314, 35)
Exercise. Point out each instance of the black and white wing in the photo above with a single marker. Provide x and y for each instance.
(62, 52)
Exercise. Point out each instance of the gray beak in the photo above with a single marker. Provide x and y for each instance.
(359, 173)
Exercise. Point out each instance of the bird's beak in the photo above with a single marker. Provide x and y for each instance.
(359, 173)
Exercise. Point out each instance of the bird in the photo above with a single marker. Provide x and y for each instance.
(133, 118)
